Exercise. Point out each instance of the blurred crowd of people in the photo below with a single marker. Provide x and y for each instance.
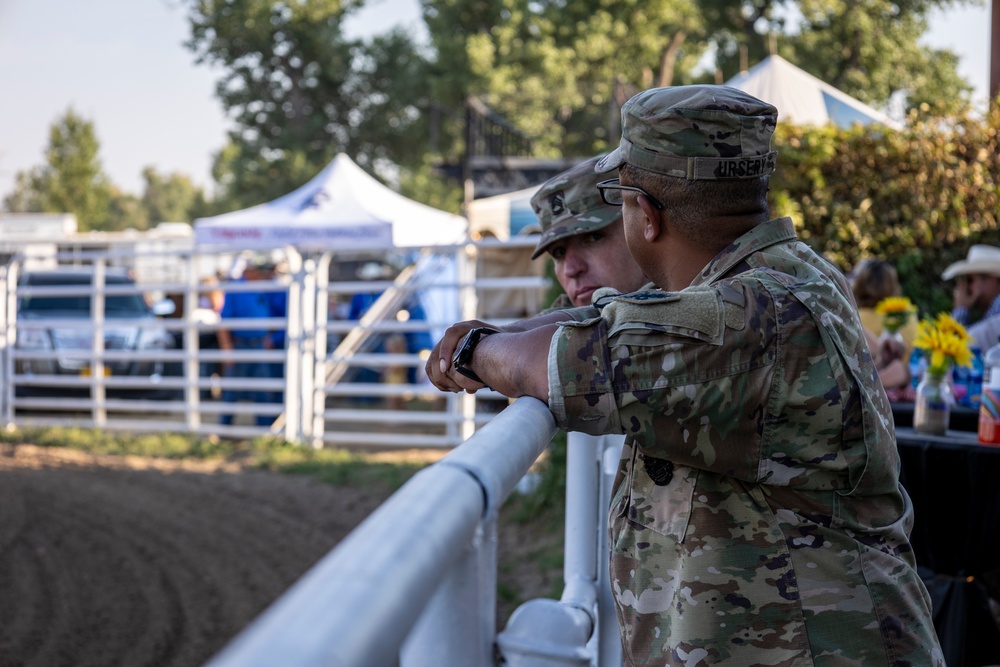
(975, 305)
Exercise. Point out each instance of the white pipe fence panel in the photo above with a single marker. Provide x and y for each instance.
(358, 605)
(93, 385)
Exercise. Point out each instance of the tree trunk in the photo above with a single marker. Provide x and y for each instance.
(995, 51)
(668, 58)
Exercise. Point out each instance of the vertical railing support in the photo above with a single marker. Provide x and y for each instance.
(463, 609)
(306, 357)
(191, 335)
(581, 628)
(293, 341)
(98, 388)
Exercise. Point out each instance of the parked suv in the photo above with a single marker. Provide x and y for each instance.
(37, 328)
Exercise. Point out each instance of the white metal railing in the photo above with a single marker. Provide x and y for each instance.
(310, 409)
(422, 560)
(415, 583)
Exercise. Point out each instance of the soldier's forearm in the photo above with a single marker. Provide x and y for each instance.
(516, 364)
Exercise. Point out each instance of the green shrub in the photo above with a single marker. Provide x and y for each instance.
(918, 197)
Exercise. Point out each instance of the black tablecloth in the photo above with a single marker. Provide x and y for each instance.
(954, 483)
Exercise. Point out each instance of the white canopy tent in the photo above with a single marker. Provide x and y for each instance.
(341, 208)
(802, 98)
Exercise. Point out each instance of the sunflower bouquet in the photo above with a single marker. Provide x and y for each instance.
(896, 311)
(945, 343)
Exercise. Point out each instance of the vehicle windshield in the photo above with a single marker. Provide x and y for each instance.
(116, 304)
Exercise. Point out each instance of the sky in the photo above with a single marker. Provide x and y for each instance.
(122, 64)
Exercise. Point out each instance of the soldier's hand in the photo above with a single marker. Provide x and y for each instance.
(439, 365)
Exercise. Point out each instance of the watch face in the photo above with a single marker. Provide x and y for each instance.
(462, 352)
(463, 355)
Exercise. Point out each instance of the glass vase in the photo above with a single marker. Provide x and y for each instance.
(932, 405)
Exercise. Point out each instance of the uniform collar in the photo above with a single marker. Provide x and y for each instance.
(772, 232)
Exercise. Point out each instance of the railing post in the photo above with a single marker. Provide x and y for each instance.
(8, 313)
(465, 258)
(306, 357)
(581, 628)
(319, 366)
(463, 609)
(98, 390)
(294, 313)
(192, 348)
(609, 645)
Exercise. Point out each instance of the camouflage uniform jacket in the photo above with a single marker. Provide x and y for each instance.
(561, 302)
(757, 517)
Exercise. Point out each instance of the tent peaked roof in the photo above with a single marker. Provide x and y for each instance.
(802, 98)
(342, 207)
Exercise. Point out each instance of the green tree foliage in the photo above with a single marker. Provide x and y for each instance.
(425, 185)
(918, 198)
(171, 198)
(557, 70)
(299, 92)
(74, 181)
(25, 197)
(71, 181)
(870, 49)
(125, 211)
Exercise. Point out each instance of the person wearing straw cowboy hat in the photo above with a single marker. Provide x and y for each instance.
(977, 291)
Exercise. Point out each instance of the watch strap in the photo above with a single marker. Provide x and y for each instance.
(463, 357)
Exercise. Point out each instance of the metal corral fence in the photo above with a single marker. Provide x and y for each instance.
(415, 583)
(328, 384)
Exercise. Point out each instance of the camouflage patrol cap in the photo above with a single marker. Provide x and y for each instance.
(570, 204)
(696, 132)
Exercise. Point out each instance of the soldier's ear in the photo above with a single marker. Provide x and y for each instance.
(652, 223)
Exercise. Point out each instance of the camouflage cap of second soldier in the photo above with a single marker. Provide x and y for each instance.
(570, 204)
(696, 132)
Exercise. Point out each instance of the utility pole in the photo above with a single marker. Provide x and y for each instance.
(995, 51)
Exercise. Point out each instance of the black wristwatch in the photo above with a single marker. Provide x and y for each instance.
(463, 355)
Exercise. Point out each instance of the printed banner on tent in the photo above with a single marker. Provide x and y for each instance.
(303, 236)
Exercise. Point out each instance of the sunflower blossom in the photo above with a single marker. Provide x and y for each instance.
(895, 312)
(946, 342)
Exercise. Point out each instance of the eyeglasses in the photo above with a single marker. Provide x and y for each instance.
(611, 193)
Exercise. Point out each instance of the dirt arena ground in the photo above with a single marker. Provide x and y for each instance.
(130, 561)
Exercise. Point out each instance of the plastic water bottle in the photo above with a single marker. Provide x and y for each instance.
(989, 408)
(917, 365)
(974, 380)
(967, 381)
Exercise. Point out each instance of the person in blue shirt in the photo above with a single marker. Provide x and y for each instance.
(248, 305)
(278, 307)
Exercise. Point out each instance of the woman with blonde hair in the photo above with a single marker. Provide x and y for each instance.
(872, 281)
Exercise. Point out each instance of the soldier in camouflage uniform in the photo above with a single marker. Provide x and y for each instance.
(584, 236)
(586, 240)
(757, 517)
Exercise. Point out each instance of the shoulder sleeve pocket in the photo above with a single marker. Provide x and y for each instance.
(696, 312)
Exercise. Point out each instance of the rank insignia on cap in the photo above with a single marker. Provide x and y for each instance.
(556, 202)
